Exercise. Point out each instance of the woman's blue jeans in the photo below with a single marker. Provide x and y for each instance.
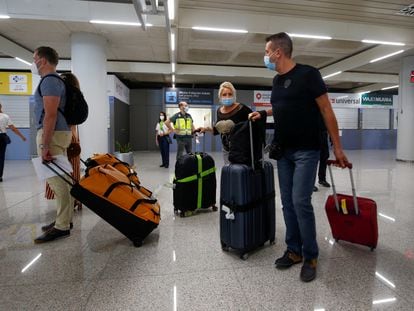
(297, 173)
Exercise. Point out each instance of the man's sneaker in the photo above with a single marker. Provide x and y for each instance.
(324, 183)
(308, 271)
(51, 235)
(51, 225)
(287, 260)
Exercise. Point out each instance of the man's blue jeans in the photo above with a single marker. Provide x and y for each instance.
(297, 173)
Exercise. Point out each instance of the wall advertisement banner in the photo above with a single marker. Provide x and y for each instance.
(339, 100)
(262, 98)
(15, 83)
(191, 96)
(377, 100)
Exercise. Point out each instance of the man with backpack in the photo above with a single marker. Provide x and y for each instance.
(53, 136)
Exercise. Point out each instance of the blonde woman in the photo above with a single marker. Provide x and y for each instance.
(229, 113)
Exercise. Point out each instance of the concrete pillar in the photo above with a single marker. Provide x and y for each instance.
(405, 134)
(88, 58)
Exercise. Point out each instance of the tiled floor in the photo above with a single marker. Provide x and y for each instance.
(181, 265)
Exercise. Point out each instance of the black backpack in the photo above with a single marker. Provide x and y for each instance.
(239, 142)
(76, 108)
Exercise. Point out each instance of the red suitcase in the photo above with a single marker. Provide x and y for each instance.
(352, 218)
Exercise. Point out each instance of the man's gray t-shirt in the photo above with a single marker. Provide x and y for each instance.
(50, 86)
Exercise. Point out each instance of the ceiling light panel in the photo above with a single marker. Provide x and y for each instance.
(298, 35)
(219, 29)
(386, 56)
(118, 23)
(383, 42)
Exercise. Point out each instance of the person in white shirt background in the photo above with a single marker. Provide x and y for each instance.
(163, 139)
(6, 122)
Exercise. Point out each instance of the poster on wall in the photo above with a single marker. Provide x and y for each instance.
(376, 100)
(15, 83)
(191, 96)
(261, 101)
(262, 98)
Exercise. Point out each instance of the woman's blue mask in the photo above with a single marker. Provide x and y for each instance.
(227, 101)
(268, 64)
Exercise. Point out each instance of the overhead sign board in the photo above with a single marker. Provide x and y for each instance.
(191, 96)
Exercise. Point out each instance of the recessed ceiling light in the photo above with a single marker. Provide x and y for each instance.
(96, 21)
(172, 42)
(219, 29)
(298, 35)
(332, 74)
(171, 9)
(390, 87)
(383, 42)
(386, 56)
(23, 61)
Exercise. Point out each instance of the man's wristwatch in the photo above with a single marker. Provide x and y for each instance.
(43, 146)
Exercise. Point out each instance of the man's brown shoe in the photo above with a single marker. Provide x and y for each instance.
(308, 272)
(287, 260)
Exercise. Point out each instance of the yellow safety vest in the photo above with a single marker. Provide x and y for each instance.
(184, 126)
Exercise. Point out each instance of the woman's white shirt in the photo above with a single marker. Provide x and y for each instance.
(5, 122)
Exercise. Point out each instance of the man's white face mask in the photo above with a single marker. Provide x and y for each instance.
(33, 69)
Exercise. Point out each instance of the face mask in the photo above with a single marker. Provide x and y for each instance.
(33, 69)
(268, 64)
(186, 109)
(162, 118)
(227, 101)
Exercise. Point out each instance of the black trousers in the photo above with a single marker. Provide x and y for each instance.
(164, 145)
(324, 156)
(3, 145)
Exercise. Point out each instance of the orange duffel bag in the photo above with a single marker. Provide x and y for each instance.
(110, 194)
(124, 167)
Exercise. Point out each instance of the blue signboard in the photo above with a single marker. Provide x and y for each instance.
(191, 96)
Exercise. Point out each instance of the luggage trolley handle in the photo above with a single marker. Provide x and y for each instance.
(349, 165)
(251, 144)
(62, 170)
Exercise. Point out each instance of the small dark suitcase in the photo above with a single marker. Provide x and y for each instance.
(352, 218)
(247, 206)
(194, 185)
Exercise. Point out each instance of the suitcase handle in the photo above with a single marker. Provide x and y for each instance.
(61, 169)
(348, 165)
(251, 144)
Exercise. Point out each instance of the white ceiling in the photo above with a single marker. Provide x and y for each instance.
(141, 57)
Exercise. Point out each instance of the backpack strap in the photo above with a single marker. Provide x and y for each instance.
(40, 92)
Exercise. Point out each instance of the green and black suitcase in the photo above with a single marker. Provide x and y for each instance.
(194, 185)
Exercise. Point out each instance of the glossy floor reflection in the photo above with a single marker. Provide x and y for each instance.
(181, 265)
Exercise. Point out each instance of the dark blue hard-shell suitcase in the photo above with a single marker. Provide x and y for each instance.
(247, 207)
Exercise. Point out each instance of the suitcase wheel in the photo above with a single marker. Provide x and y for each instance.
(224, 247)
(214, 208)
(372, 249)
(137, 243)
(272, 242)
(244, 256)
(336, 240)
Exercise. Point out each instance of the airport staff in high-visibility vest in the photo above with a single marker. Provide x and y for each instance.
(183, 129)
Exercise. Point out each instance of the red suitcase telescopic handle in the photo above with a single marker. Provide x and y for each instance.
(348, 165)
